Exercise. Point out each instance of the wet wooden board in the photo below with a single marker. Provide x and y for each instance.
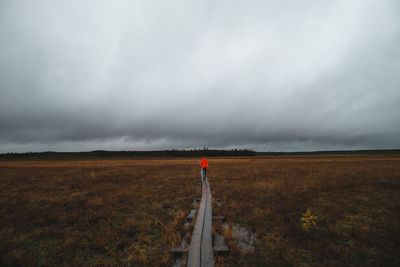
(201, 250)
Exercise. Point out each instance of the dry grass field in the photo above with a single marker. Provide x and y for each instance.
(121, 212)
(93, 212)
(356, 200)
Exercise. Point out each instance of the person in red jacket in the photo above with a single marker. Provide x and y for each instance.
(204, 167)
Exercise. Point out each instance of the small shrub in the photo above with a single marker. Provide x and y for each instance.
(308, 220)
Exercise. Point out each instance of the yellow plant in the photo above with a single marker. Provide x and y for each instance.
(308, 220)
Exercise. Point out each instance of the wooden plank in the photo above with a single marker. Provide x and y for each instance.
(194, 257)
(201, 251)
(195, 202)
(181, 249)
(190, 217)
(220, 246)
(207, 253)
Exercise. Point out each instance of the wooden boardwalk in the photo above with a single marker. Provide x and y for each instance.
(201, 247)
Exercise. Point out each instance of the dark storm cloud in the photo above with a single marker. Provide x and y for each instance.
(268, 75)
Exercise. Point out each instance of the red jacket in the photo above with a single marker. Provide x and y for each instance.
(204, 163)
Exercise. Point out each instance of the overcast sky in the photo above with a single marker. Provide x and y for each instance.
(266, 75)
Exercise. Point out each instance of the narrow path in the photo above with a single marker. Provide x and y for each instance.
(201, 249)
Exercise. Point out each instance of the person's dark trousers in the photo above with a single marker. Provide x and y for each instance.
(204, 174)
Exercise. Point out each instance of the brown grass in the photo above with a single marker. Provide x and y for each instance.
(356, 199)
(132, 211)
(93, 212)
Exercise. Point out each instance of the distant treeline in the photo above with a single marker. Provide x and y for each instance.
(174, 153)
(98, 154)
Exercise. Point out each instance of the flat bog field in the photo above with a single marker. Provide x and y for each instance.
(280, 211)
(93, 212)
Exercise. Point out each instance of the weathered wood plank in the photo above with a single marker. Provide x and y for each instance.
(201, 251)
(220, 246)
(207, 253)
(191, 214)
(194, 256)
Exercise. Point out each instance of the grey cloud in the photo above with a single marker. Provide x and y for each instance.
(152, 75)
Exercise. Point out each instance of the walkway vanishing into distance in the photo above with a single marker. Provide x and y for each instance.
(201, 245)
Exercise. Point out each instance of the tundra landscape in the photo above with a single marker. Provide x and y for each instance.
(334, 210)
(112, 112)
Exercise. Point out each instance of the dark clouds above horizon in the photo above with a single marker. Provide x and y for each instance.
(266, 75)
